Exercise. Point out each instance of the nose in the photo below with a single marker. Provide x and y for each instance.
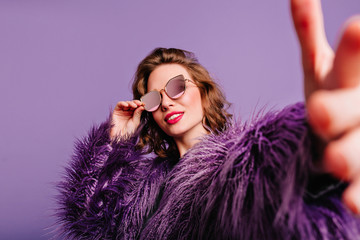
(166, 102)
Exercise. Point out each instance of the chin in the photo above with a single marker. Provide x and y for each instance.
(175, 133)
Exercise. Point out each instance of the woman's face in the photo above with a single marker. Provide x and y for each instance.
(179, 118)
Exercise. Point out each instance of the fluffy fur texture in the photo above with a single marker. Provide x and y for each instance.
(254, 181)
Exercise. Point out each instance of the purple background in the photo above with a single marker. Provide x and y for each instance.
(64, 64)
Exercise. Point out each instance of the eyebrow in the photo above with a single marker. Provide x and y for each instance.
(167, 82)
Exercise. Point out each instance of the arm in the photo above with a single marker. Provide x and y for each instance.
(102, 171)
(332, 91)
(264, 185)
(99, 174)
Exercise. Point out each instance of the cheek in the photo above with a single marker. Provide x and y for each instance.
(194, 100)
(157, 117)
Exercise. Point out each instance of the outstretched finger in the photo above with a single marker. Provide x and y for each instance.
(347, 58)
(317, 55)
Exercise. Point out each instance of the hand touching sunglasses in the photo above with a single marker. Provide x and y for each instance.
(174, 88)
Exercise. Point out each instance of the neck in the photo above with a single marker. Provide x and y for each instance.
(184, 143)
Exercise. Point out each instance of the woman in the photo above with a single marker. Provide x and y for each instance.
(172, 165)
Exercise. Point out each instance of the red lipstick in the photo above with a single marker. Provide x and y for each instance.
(174, 117)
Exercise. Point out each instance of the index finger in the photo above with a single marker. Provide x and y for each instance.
(138, 102)
(309, 25)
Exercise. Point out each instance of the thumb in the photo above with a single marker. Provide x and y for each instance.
(137, 115)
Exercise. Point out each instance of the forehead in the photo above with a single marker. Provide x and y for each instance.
(163, 73)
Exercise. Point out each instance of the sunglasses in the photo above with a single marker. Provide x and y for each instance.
(174, 88)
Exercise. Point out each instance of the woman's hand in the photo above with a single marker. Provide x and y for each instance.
(332, 92)
(126, 118)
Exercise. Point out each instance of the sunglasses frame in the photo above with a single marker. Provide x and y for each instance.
(158, 92)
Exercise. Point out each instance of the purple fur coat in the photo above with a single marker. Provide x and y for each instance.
(254, 181)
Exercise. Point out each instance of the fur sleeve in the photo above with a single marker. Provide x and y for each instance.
(260, 191)
(99, 173)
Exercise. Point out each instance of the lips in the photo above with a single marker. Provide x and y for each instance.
(173, 117)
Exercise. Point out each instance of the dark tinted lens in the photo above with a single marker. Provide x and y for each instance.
(152, 101)
(175, 87)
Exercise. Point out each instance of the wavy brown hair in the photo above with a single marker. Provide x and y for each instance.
(213, 100)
